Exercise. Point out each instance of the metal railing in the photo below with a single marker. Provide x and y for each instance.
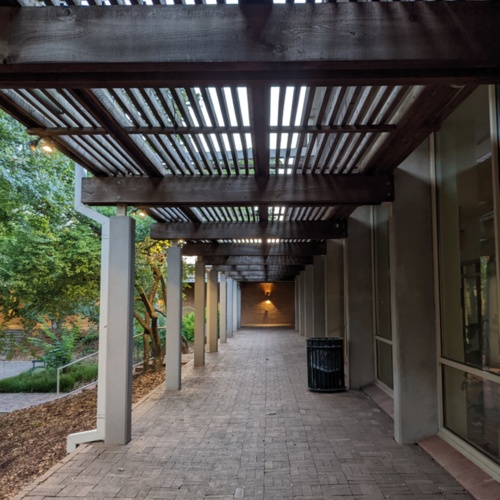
(61, 368)
(137, 355)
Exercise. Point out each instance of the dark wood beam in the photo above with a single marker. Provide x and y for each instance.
(299, 230)
(320, 129)
(282, 190)
(259, 279)
(237, 249)
(384, 41)
(263, 274)
(270, 260)
(263, 268)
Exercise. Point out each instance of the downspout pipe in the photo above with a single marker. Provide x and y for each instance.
(97, 434)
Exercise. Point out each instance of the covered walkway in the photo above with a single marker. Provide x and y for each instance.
(245, 426)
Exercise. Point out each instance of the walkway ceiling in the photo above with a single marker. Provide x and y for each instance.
(250, 131)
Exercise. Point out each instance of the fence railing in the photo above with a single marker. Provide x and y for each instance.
(137, 356)
(61, 368)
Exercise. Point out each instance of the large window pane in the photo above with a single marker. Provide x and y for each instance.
(382, 276)
(472, 409)
(384, 363)
(467, 257)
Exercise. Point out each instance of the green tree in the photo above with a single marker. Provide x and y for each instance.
(49, 254)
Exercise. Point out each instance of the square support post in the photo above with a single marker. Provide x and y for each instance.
(199, 314)
(238, 306)
(359, 303)
(296, 303)
(223, 308)
(334, 288)
(303, 303)
(235, 306)
(174, 319)
(212, 302)
(412, 297)
(319, 303)
(229, 306)
(118, 378)
(309, 301)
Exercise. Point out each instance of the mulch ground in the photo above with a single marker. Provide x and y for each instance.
(34, 439)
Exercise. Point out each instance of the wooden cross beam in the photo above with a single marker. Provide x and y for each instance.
(237, 249)
(265, 268)
(296, 230)
(276, 190)
(254, 260)
(373, 43)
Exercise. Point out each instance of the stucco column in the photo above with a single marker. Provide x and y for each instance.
(334, 288)
(229, 306)
(296, 303)
(238, 306)
(303, 303)
(359, 302)
(118, 378)
(412, 300)
(223, 308)
(235, 306)
(309, 301)
(199, 314)
(174, 319)
(319, 318)
(212, 302)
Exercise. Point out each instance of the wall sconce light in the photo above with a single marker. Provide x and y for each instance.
(138, 211)
(268, 297)
(44, 144)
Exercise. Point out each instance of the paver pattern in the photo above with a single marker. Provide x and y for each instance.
(245, 426)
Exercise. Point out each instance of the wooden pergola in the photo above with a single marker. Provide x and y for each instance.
(250, 131)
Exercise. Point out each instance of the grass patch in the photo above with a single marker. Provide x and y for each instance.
(45, 379)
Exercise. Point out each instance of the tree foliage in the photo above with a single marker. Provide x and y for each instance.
(49, 254)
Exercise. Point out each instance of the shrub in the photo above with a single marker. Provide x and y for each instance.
(57, 346)
(188, 327)
(45, 379)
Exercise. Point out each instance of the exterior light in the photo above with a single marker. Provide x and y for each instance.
(45, 145)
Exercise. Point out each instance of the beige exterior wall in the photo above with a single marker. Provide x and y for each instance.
(259, 309)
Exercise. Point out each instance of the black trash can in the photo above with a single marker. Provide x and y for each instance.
(325, 364)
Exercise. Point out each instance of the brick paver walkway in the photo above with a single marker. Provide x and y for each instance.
(245, 426)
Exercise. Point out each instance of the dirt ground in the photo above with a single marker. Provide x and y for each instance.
(34, 439)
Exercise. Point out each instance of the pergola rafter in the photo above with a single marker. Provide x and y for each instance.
(257, 135)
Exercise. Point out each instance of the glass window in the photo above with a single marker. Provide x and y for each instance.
(382, 288)
(467, 256)
(384, 363)
(472, 409)
(382, 275)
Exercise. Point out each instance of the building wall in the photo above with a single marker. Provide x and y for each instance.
(258, 309)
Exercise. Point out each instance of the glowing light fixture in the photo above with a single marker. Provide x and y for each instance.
(44, 144)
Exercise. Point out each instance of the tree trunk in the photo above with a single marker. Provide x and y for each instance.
(145, 340)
